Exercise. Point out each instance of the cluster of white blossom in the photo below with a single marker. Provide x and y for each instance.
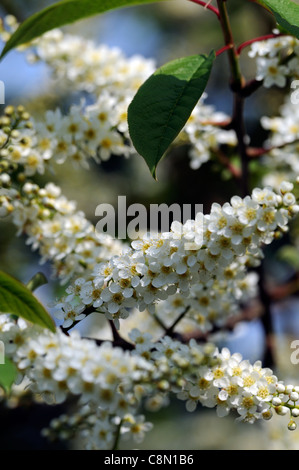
(110, 384)
(64, 236)
(204, 252)
(281, 155)
(277, 62)
(100, 130)
(85, 65)
(277, 59)
(51, 222)
(101, 377)
(96, 131)
(231, 383)
(102, 70)
(193, 277)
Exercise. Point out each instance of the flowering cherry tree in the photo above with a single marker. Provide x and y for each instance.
(163, 296)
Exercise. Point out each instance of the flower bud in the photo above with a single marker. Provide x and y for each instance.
(286, 187)
(294, 396)
(276, 401)
(280, 388)
(281, 410)
(267, 415)
(292, 425)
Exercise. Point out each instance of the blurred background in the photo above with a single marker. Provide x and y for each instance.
(163, 32)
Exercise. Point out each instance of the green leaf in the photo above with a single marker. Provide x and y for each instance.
(16, 299)
(163, 104)
(286, 13)
(8, 375)
(62, 13)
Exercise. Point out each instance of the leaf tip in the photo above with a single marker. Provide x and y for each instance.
(154, 173)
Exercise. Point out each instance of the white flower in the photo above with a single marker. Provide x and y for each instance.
(102, 434)
(70, 313)
(116, 298)
(271, 72)
(136, 427)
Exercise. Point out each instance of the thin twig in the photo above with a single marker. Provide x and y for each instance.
(258, 39)
(87, 312)
(169, 330)
(207, 6)
(255, 152)
(223, 49)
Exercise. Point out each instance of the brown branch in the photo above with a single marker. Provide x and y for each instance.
(88, 311)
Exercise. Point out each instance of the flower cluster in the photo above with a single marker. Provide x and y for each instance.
(101, 129)
(103, 70)
(60, 232)
(58, 366)
(277, 60)
(281, 148)
(90, 67)
(52, 223)
(96, 131)
(226, 382)
(110, 384)
(191, 278)
(201, 252)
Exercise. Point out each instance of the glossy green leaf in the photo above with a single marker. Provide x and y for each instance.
(62, 13)
(286, 13)
(163, 104)
(8, 375)
(16, 299)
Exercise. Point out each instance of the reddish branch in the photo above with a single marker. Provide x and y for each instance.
(256, 152)
(223, 49)
(259, 39)
(207, 6)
